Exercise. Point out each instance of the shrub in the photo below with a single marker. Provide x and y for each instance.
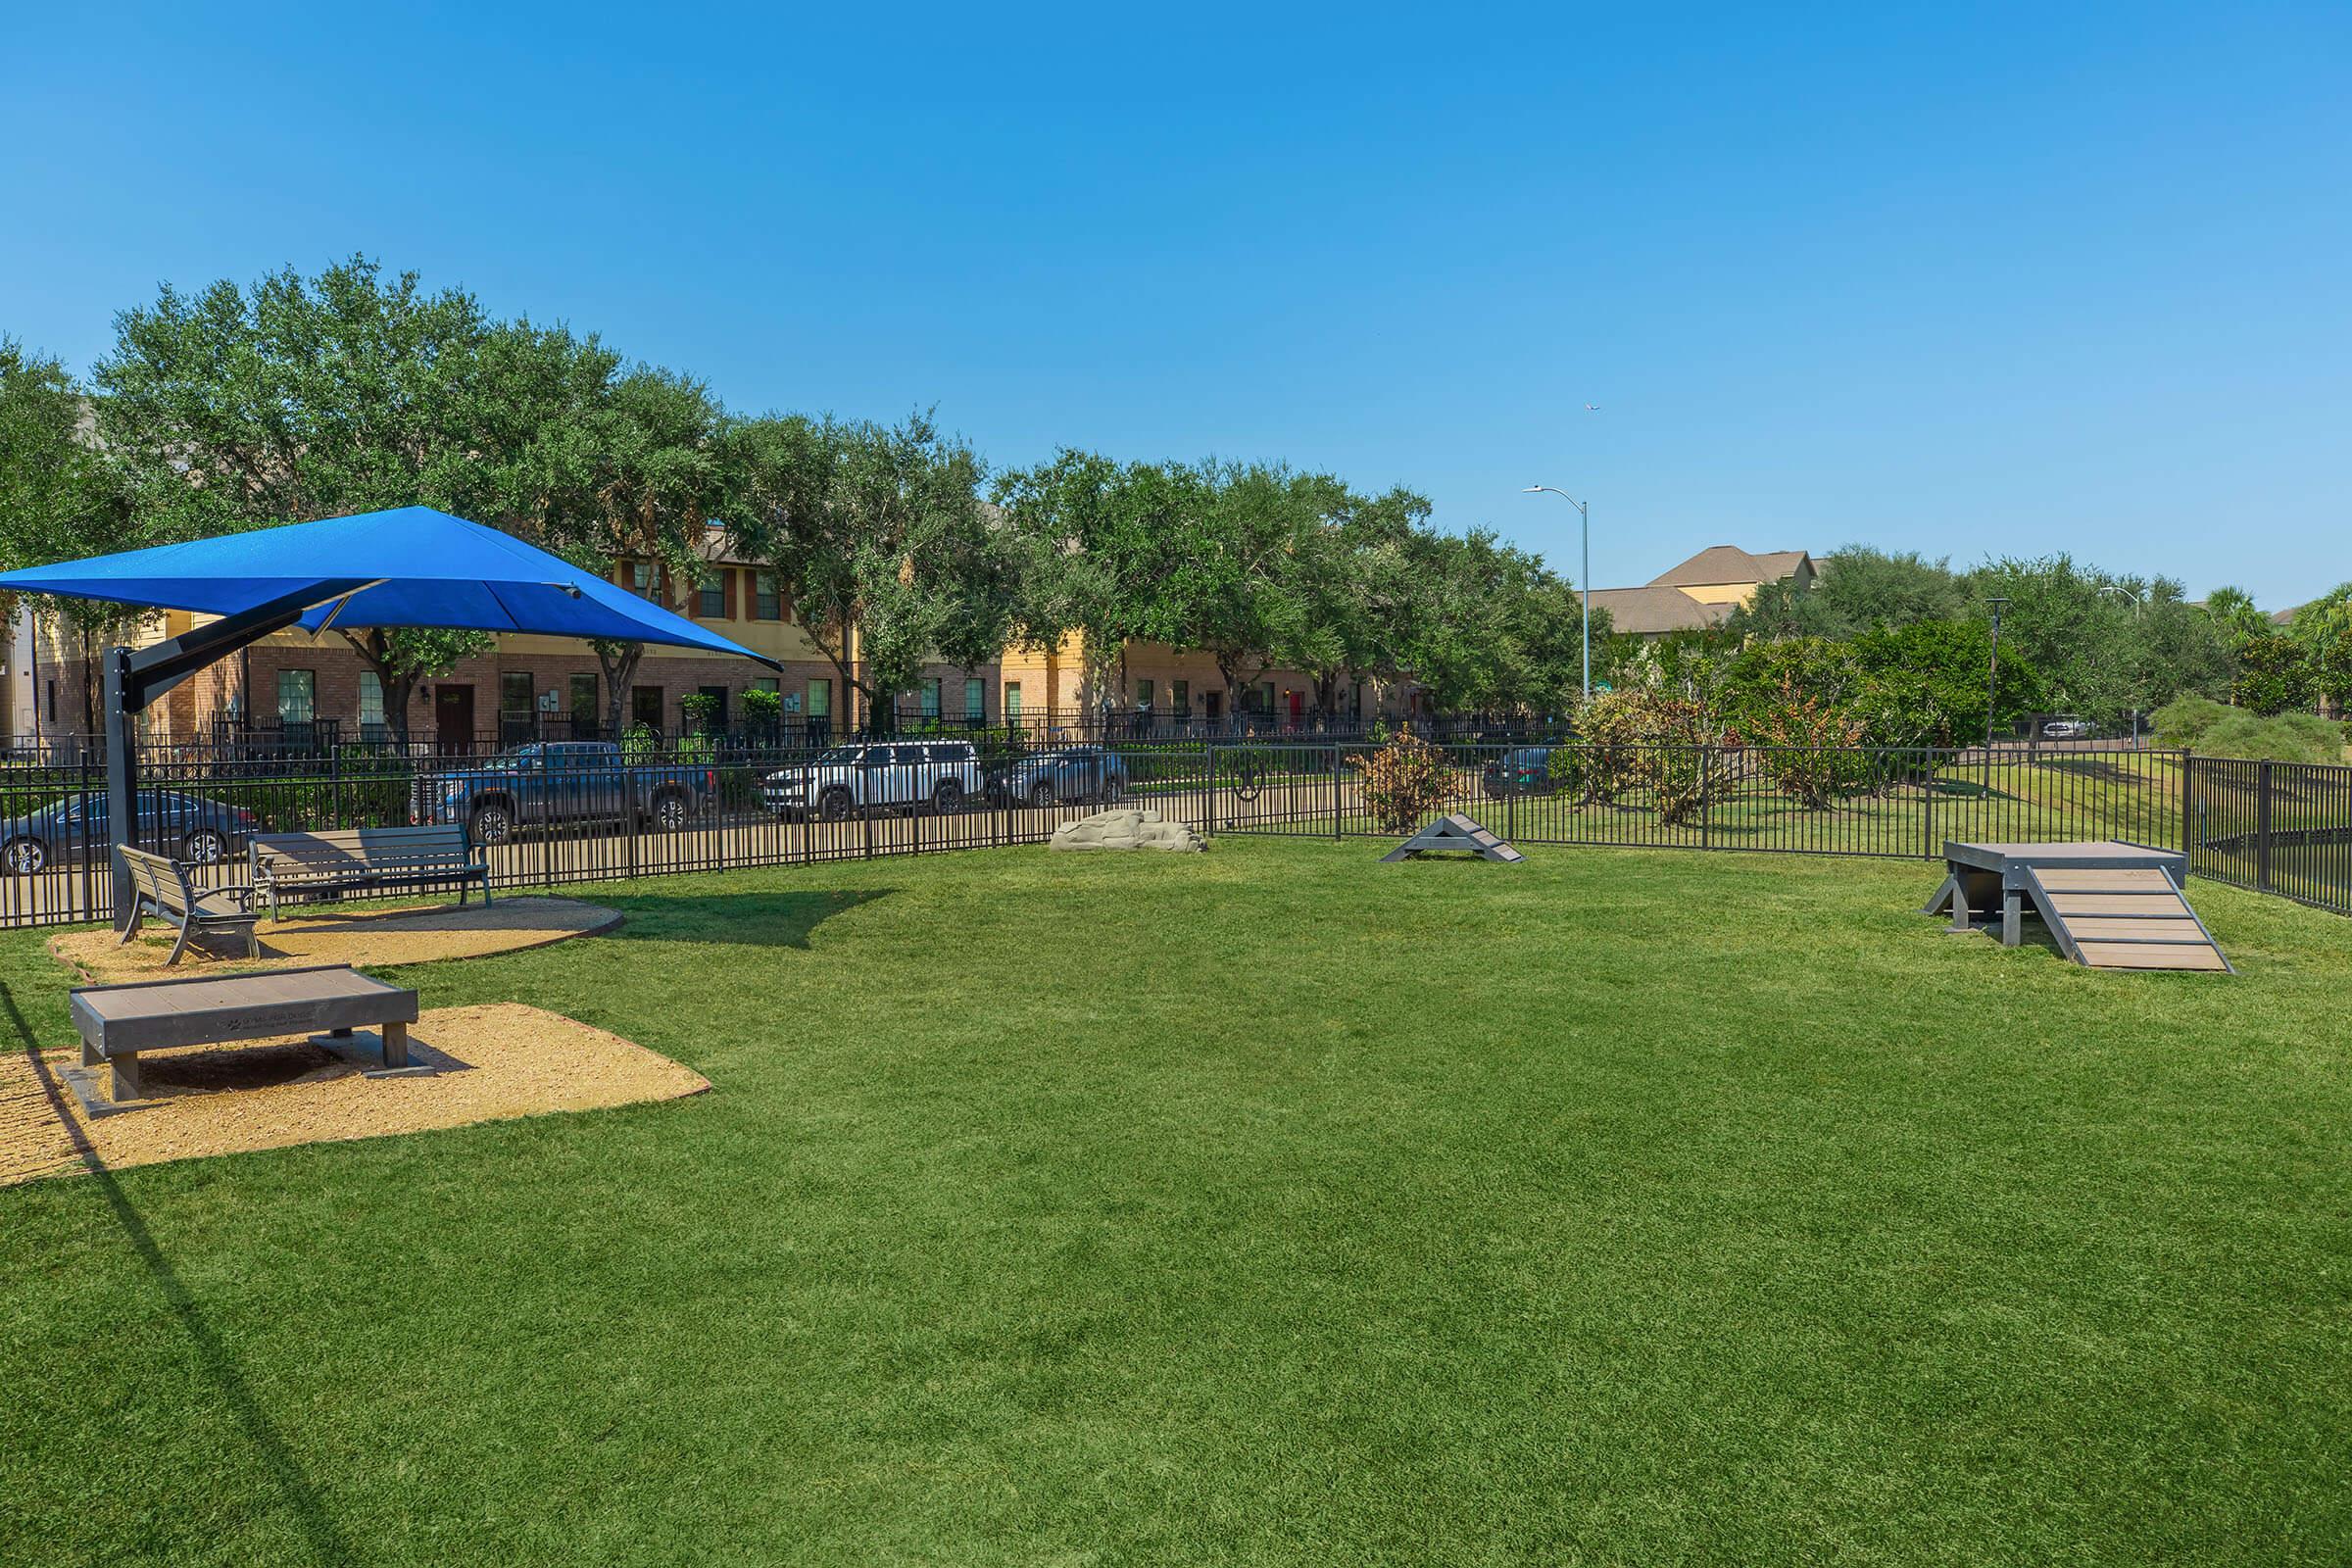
(2275, 740)
(1805, 748)
(2184, 722)
(700, 711)
(1402, 782)
(762, 710)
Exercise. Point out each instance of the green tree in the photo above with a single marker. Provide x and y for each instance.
(1856, 588)
(236, 408)
(881, 531)
(624, 466)
(2273, 674)
(2233, 616)
(60, 499)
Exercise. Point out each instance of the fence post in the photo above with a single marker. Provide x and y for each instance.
(2188, 837)
(1928, 794)
(1208, 807)
(1335, 792)
(1706, 805)
(2262, 826)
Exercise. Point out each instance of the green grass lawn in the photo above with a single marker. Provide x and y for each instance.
(1264, 1206)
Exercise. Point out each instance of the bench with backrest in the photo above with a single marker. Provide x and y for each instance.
(161, 888)
(290, 867)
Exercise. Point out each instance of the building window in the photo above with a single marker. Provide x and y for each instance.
(53, 699)
(372, 705)
(767, 683)
(1143, 695)
(584, 717)
(645, 705)
(645, 579)
(515, 692)
(714, 595)
(820, 699)
(296, 688)
(1180, 696)
(1013, 699)
(770, 604)
(975, 698)
(929, 694)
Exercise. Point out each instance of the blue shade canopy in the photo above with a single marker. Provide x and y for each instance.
(426, 568)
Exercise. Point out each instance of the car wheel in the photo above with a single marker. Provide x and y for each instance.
(491, 824)
(947, 796)
(1041, 794)
(671, 813)
(24, 856)
(835, 805)
(204, 847)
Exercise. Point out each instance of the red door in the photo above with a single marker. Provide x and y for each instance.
(1297, 705)
(452, 719)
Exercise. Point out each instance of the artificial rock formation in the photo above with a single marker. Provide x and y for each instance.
(1126, 829)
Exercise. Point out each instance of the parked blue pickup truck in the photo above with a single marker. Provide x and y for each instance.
(559, 783)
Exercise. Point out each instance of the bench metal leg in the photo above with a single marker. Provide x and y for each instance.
(126, 1075)
(138, 912)
(188, 927)
(396, 1044)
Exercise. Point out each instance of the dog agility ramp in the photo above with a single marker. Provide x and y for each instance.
(1455, 832)
(2108, 904)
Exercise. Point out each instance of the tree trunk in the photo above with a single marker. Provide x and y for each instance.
(619, 661)
(399, 687)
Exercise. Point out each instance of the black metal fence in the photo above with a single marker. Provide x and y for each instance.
(565, 815)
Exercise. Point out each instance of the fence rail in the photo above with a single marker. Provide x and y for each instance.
(2284, 828)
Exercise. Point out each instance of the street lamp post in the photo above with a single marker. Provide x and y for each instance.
(2137, 604)
(1584, 576)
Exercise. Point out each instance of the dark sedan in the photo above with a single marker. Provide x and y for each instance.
(1526, 771)
(1069, 773)
(186, 827)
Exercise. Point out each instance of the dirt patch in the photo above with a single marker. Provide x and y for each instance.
(491, 1064)
(371, 939)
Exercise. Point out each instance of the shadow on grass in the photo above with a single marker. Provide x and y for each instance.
(328, 1543)
(779, 919)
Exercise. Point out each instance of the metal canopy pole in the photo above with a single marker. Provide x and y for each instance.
(136, 676)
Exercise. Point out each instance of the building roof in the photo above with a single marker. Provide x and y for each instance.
(1647, 612)
(1728, 564)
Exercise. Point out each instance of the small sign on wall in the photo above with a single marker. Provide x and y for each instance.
(547, 702)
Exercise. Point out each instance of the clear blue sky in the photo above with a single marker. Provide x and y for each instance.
(1965, 281)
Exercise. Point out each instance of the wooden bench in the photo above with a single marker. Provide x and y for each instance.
(118, 1022)
(161, 888)
(292, 867)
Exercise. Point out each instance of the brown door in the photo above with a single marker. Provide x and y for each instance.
(453, 717)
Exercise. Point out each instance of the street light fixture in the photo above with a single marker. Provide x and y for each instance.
(1583, 577)
(2138, 603)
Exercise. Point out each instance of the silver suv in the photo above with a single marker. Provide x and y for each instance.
(847, 779)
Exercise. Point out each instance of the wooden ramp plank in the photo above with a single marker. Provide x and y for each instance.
(2117, 906)
(2059, 879)
(2151, 955)
(2178, 929)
